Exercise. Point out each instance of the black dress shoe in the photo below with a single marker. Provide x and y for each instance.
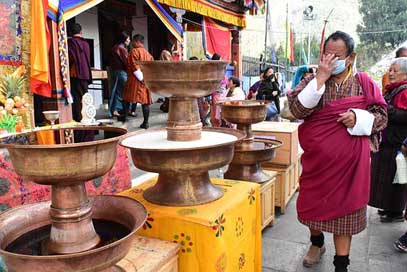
(382, 212)
(121, 118)
(341, 270)
(391, 218)
(144, 125)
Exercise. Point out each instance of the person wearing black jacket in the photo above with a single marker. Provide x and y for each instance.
(388, 197)
(269, 88)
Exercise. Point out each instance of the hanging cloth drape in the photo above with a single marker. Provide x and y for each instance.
(216, 38)
(40, 44)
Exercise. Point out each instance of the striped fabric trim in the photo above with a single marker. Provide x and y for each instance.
(209, 9)
(167, 20)
(67, 9)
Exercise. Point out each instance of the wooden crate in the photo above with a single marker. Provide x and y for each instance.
(285, 186)
(267, 194)
(150, 255)
(285, 132)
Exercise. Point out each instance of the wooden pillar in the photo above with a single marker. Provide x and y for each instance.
(236, 53)
(57, 101)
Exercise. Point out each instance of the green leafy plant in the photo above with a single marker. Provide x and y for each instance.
(8, 122)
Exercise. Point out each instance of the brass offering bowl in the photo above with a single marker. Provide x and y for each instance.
(183, 82)
(183, 153)
(183, 169)
(64, 158)
(116, 220)
(250, 152)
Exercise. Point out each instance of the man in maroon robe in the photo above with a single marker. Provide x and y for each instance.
(342, 111)
(79, 64)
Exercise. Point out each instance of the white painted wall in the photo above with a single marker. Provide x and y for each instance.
(90, 29)
(139, 22)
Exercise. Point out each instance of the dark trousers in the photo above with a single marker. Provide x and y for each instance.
(276, 100)
(126, 107)
(78, 88)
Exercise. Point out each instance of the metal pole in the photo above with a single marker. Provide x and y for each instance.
(286, 37)
(302, 44)
(266, 31)
(309, 44)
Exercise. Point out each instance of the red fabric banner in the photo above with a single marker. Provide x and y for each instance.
(216, 39)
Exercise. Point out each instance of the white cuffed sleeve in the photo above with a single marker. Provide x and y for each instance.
(364, 123)
(309, 97)
(139, 74)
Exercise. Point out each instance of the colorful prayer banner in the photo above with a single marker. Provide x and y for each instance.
(167, 20)
(216, 38)
(256, 5)
(209, 8)
(10, 32)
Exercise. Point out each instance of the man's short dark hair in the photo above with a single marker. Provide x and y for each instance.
(76, 29)
(235, 81)
(400, 51)
(216, 56)
(123, 37)
(345, 37)
(193, 58)
(138, 38)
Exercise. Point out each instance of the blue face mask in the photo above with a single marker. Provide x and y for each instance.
(340, 67)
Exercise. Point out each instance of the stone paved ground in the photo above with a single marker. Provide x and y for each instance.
(285, 244)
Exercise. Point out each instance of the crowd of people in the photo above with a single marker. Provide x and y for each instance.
(129, 89)
(351, 136)
(126, 84)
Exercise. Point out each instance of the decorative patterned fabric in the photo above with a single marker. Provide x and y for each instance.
(10, 33)
(350, 224)
(221, 236)
(15, 191)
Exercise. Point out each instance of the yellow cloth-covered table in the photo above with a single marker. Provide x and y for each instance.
(221, 236)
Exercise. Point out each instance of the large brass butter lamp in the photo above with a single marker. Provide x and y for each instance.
(72, 232)
(183, 152)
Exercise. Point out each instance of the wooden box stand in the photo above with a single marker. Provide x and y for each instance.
(267, 195)
(287, 182)
(150, 255)
(285, 132)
